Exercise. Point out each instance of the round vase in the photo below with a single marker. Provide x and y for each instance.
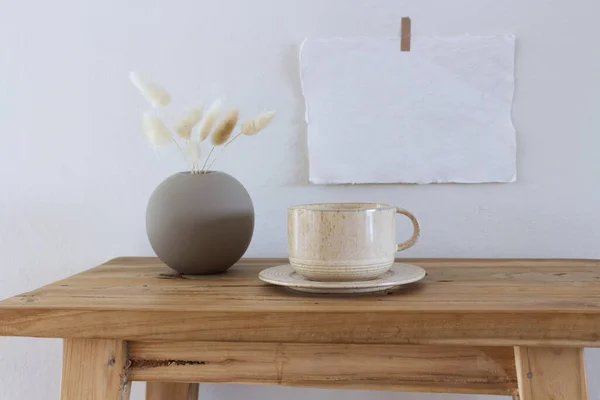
(200, 223)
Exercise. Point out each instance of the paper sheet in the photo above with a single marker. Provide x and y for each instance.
(439, 113)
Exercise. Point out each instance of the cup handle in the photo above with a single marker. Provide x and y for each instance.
(416, 230)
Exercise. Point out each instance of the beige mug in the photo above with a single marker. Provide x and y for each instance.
(345, 241)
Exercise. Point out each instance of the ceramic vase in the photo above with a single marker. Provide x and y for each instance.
(200, 223)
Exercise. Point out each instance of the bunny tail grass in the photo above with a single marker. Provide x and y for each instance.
(209, 120)
(185, 124)
(253, 126)
(156, 131)
(223, 130)
(156, 95)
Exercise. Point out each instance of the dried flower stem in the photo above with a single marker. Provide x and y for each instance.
(235, 137)
(203, 170)
(180, 149)
(222, 149)
(213, 161)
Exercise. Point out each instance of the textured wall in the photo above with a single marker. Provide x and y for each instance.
(75, 171)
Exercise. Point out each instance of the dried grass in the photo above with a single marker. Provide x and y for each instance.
(209, 119)
(187, 122)
(155, 94)
(253, 126)
(223, 130)
(156, 131)
(159, 135)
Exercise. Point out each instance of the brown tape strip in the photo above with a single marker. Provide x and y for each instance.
(405, 34)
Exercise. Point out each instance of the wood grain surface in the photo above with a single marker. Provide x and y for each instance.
(474, 302)
(171, 391)
(458, 369)
(551, 373)
(94, 370)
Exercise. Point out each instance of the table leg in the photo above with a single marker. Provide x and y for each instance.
(94, 370)
(550, 373)
(171, 391)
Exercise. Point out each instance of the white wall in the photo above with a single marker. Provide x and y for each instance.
(75, 171)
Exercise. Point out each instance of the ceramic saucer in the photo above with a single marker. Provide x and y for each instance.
(399, 274)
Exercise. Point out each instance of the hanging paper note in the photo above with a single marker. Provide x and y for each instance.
(439, 113)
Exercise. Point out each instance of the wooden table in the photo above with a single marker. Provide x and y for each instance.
(511, 327)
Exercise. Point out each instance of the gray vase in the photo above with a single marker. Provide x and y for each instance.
(200, 223)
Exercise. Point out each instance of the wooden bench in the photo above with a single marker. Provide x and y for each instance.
(508, 327)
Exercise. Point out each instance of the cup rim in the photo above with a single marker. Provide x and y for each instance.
(343, 207)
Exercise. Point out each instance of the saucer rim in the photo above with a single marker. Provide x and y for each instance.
(383, 283)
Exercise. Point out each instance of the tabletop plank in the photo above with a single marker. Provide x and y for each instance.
(495, 302)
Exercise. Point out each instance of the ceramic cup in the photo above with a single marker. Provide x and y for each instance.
(345, 241)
